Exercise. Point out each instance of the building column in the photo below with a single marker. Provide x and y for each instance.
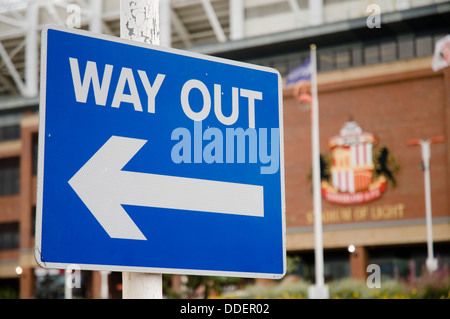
(165, 15)
(28, 126)
(358, 263)
(96, 282)
(32, 50)
(315, 8)
(26, 286)
(237, 19)
(95, 22)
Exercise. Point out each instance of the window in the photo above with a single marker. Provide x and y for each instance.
(343, 59)
(325, 61)
(8, 133)
(388, 51)
(356, 54)
(371, 54)
(9, 236)
(35, 147)
(33, 221)
(406, 48)
(424, 46)
(9, 176)
(281, 65)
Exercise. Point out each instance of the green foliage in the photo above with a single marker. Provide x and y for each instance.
(431, 286)
(292, 264)
(348, 289)
(357, 289)
(427, 286)
(294, 289)
(8, 293)
(199, 286)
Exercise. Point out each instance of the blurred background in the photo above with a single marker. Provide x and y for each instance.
(378, 98)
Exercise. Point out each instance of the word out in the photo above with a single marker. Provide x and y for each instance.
(206, 108)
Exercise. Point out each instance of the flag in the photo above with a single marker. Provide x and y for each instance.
(441, 57)
(300, 73)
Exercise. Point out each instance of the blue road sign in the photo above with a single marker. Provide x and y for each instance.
(158, 160)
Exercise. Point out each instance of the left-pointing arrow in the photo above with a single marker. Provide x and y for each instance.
(104, 187)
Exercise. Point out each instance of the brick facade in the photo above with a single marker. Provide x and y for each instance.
(395, 102)
(395, 108)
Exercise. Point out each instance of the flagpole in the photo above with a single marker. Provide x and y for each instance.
(319, 290)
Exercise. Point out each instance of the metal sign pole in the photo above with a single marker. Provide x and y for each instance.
(139, 21)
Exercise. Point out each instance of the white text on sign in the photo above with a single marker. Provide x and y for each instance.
(213, 152)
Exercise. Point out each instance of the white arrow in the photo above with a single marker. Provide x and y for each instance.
(104, 187)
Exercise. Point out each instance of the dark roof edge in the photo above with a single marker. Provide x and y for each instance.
(224, 48)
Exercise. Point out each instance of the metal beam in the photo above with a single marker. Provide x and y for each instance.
(54, 14)
(213, 20)
(31, 50)
(181, 29)
(12, 70)
(6, 85)
(14, 51)
(12, 22)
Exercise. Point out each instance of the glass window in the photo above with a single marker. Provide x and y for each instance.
(343, 59)
(406, 48)
(281, 65)
(35, 147)
(371, 54)
(8, 133)
(325, 61)
(33, 221)
(356, 56)
(9, 236)
(9, 176)
(388, 51)
(424, 46)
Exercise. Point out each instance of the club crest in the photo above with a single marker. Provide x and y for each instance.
(356, 171)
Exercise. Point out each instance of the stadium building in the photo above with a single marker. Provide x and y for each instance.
(377, 92)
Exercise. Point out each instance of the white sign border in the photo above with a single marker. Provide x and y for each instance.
(41, 148)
